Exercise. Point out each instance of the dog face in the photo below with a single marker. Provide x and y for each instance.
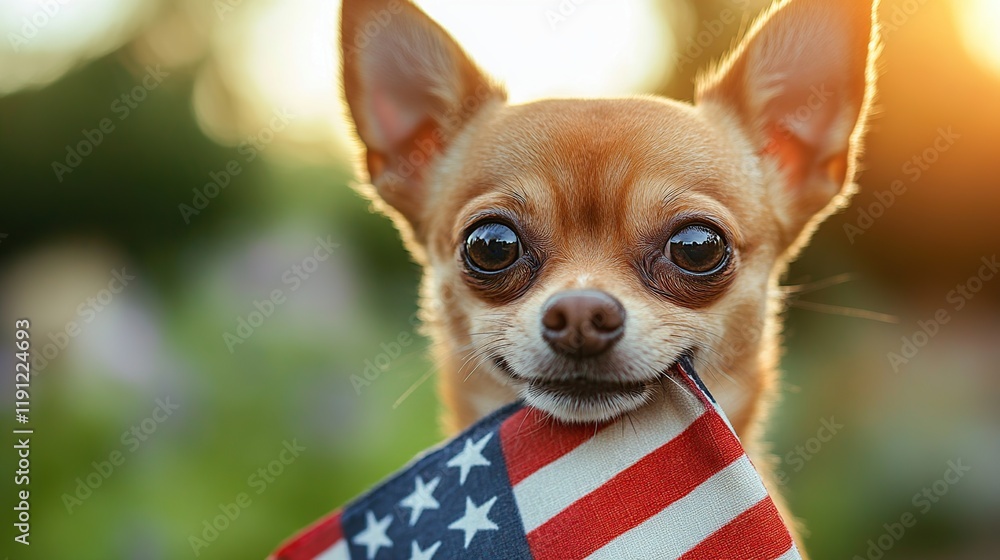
(575, 250)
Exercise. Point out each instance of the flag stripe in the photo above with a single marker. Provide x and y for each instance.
(639, 492)
(324, 535)
(531, 441)
(670, 481)
(586, 468)
(338, 551)
(687, 522)
(757, 533)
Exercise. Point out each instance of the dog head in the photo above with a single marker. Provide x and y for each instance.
(575, 250)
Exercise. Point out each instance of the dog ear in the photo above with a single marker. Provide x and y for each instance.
(410, 88)
(801, 84)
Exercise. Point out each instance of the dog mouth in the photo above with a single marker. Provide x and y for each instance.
(584, 399)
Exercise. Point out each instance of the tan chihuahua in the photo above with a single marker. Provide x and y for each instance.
(574, 250)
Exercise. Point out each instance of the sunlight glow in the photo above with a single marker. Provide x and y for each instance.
(978, 22)
(562, 48)
(276, 56)
(539, 49)
(45, 39)
(291, 57)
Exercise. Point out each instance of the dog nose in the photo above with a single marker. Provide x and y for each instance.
(582, 323)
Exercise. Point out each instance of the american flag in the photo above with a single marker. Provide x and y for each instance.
(670, 482)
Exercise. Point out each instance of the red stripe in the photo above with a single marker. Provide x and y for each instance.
(638, 492)
(756, 534)
(532, 440)
(312, 540)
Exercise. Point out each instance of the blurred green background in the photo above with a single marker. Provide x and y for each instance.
(203, 81)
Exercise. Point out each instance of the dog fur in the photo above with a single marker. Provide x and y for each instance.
(767, 150)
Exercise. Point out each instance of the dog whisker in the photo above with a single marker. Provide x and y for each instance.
(817, 285)
(406, 394)
(844, 311)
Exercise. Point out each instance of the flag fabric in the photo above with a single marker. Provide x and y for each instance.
(667, 482)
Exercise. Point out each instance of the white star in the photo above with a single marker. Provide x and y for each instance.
(417, 554)
(475, 519)
(422, 498)
(374, 537)
(471, 456)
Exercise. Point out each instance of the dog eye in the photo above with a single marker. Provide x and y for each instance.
(697, 249)
(492, 247)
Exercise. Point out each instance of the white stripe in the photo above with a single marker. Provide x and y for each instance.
(336, 552)
(722, 413)
(687, 522)
(555, 486)
(716, 404)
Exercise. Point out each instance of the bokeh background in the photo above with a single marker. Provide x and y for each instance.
(202, 83)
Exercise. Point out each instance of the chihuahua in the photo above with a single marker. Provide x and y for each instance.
(574, 250)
